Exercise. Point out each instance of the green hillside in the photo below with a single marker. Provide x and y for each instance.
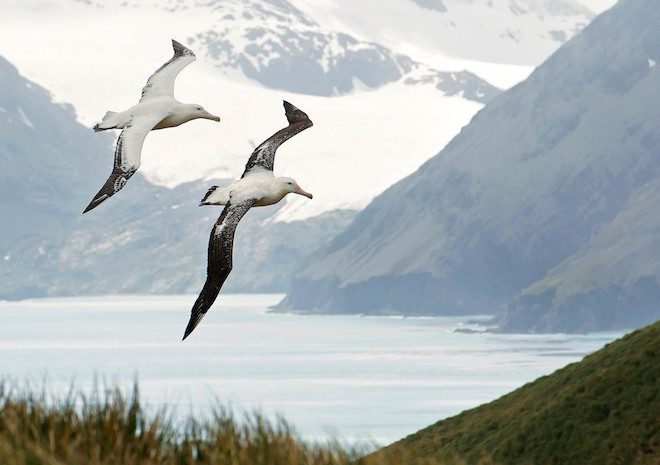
(602, 410)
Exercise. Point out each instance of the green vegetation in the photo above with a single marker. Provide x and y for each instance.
(602, 410)
(113, 429)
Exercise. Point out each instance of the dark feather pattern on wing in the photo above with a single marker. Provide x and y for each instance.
(220, 251)
(264, 155)
(120, 174)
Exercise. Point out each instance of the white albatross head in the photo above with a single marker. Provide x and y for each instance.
(195, 111)
(290, 186)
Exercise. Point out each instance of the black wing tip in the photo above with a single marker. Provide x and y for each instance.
(96, 201)
(113, 185)
(295, 114)
(180, 49)
(195, 319)
(192, 324)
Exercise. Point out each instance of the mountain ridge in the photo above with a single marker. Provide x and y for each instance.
(145, 239)
(534, 176)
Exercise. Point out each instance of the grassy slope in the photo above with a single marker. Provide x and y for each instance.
(602, 410)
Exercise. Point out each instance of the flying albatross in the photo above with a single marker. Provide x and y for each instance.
(157, 109)
(257, 187)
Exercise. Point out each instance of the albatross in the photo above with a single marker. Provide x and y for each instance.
(157, 109)
(257, 187)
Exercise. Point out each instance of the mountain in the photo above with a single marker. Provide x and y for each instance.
(41, 150)
(147, 239)
(537, 174)
(415, 99)
(279, 46)
(522, 32)
(601, 410)
(344, 123)
(252, 54)
(358, 75)
(614, 281)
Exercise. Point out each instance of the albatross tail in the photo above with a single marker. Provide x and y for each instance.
(109, 121)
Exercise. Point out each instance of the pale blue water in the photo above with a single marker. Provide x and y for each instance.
(356, 378)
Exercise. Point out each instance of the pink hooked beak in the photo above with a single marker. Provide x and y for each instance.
(299, 190)
(208, 115)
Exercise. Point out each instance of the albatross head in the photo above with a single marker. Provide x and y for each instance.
(290, 185)
(197, 111)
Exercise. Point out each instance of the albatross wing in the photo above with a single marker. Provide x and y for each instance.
(221, 245)
(161, 83)
(127, 156)
(264, 155)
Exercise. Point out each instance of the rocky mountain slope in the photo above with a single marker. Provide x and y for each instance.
(614, 281)
(529, 182)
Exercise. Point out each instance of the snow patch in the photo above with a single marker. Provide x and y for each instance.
(651, 63)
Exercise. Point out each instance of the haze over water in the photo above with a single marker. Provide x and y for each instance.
(352, 377)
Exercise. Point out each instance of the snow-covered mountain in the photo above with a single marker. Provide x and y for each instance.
(379, 113)
(538, 173)
(146, 239)
(97, 55)
(522, 32)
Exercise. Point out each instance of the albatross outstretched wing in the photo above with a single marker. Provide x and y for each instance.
(127, 155)
(221, 244)
(264, 155)
(162, 81)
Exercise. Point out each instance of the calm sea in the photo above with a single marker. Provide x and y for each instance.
(350, 377)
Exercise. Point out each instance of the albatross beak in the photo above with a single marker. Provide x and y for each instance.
(299, 190)
(208, 115)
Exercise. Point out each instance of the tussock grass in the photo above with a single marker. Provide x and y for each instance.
(111, 427)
